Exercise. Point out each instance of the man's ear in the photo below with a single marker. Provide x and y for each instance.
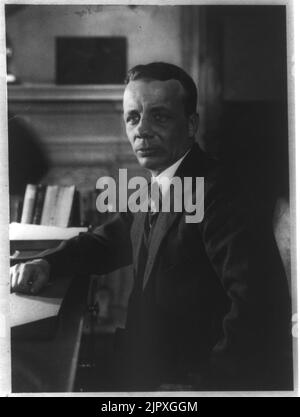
(193, 123)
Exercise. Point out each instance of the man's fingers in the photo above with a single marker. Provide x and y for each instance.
(26, 277)
(37, 286)
(14, 275)
(39, 281)
(29, 277)
(20, 273)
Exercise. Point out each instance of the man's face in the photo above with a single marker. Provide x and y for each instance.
(156, 124)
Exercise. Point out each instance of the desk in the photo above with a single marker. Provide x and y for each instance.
(50, 365)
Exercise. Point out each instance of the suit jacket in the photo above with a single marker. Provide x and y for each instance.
(211, 306)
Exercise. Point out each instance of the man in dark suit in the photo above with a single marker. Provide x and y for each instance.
(210, 307)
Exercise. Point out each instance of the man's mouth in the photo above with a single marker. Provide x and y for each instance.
(144, 152)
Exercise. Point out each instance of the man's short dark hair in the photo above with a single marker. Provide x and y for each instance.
(163, 71)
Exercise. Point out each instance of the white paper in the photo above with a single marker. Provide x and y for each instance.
(19, 231)
(28, 308)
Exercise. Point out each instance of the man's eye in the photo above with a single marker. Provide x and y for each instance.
(133, 119)
(161, 118)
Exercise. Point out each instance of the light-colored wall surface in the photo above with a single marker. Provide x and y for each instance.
(153, 33)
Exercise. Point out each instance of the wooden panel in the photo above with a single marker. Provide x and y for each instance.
(28, 92)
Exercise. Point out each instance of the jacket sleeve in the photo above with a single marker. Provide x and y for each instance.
(242, 251)
(103, 250)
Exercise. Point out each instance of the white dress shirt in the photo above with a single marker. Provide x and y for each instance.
(163, 180)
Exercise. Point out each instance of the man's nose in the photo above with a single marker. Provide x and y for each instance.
(144, 128)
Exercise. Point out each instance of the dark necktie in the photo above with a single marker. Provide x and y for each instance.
(149, 225)
(154, 206)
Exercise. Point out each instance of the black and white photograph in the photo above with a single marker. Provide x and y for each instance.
(149, 199)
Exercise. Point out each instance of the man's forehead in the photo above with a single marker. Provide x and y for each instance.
(153, 90)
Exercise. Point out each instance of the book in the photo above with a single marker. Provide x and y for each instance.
(84, 207)
(39, 202)
(63, 206)
(58, 205)
(15, 208)
(49, 206)
(28, 205)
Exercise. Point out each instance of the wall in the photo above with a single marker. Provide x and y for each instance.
(254, 50)
(153, 33)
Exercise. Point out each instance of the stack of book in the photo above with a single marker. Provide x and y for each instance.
(54, 205)
(48, 205)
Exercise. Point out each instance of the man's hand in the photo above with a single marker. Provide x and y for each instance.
(29, 277)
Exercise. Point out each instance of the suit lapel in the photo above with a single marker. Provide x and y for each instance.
(163, 224)
(194, 164)
(137, 232)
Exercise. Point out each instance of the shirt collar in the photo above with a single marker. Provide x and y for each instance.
(168, 173)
